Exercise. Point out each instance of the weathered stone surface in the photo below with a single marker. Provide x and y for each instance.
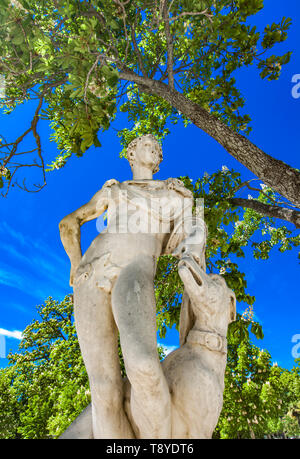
(114, 292)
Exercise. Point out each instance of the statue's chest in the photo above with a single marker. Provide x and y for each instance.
(155, 199)
(153, 192)
(146, 207)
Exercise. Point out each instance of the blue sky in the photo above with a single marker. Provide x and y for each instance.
(33, 264)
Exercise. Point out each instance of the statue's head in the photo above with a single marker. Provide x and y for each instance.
(145, 151)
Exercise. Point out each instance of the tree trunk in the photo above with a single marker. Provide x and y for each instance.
(281, 177)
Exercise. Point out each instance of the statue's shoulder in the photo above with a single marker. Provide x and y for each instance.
(143, 184)
(110, 183)
(168, 184)
(178, 185)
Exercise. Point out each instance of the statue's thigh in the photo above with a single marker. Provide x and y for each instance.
(96, 328)
(134, 307)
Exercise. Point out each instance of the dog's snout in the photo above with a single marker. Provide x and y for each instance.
(189, 265)
(197, 279)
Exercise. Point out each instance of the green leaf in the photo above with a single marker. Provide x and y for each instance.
(18, 39)
(97, 142)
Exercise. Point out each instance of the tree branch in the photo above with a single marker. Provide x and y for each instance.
(281, 177)
(122, 8)
(92, 12)
(136, 48)
(9, 150)
(292, 216)
(169, 39)
(202, 13)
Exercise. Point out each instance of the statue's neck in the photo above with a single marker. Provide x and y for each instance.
(142, 173)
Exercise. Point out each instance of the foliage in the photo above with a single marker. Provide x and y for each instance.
(231, 231)
(49, 385)
(83, 60)
(9, 405)
(45, 387)
(258, 394)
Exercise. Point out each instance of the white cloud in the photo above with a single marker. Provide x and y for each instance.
(42, 250)
(24, 283)
(31, 265)
(168, 349)
(11, 334)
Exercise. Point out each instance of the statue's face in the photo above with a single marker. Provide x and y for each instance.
(146, 152)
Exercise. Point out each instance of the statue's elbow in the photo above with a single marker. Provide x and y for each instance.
(62, 225)
(69, 224)
(65, 223)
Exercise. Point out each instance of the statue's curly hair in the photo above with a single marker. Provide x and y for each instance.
(132, 146)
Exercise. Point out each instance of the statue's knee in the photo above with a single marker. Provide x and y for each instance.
(106, 392)
(145, 370)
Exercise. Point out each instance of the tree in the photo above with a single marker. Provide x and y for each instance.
(289, 425)
(259, 396)
(9, 405)
(156, 60)
(231, 232)
(45, 386)
(48, 382)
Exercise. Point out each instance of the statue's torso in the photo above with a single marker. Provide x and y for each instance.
(140, 218)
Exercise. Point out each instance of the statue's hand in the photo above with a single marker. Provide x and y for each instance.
(193, 245)
(184, 249)
(72, 274)
(74, 267)
(178, 185)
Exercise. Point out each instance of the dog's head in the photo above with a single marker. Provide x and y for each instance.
(208, 295)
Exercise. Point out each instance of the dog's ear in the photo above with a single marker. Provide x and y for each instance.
(232, 307)
(187, 318)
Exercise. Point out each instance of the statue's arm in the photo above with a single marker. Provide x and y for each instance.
(194, 241)
(69, 226)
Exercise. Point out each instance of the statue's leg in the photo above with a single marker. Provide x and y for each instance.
(98, 339)
(134, 308)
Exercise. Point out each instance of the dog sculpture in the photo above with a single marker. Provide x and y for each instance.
(195, 371)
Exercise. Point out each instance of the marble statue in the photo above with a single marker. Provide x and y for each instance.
(113, 284)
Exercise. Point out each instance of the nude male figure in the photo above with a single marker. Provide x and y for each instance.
(114, 292)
